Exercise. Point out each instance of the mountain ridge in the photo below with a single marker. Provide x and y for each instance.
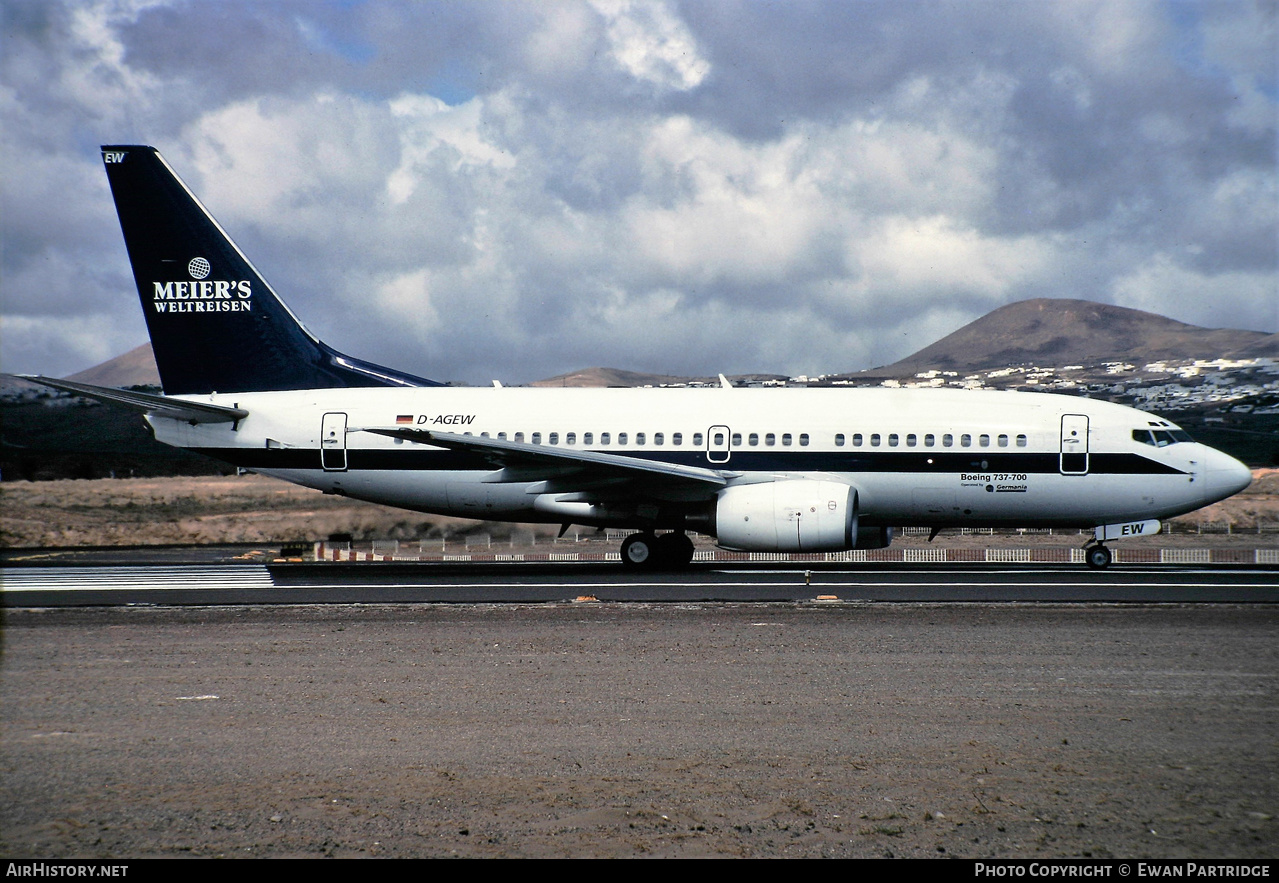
(1058, 332)
(1043, 331)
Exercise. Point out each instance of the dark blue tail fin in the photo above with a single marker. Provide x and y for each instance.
(215, 325)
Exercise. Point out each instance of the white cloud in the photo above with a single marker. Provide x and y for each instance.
(743, 213)
(932, 256)
(564, 41)
(823, 199)
(427, 124)
(1221, 300)
(291, 164)
(407, 297)
(651, 44)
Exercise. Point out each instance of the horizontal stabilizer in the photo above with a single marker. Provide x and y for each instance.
(147, 403)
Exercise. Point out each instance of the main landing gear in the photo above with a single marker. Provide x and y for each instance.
(1098, 556)
(647, 551)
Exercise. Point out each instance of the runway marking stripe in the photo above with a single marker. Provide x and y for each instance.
(96, 579)
(258, 577)
(759, 585)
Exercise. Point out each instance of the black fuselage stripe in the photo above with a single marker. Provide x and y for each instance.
(358, 459)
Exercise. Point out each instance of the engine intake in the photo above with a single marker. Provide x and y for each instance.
(794, 515)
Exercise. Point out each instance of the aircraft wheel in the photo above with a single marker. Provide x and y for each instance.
(674, 550)
(1098, 557)
(638, 551)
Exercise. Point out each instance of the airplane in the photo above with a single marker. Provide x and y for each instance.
(779, 470)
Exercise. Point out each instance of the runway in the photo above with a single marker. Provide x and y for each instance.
(476, 583)
(629, 730)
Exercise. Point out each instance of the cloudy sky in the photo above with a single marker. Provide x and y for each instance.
(477, 190)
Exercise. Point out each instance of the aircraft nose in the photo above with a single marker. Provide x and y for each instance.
(1223, 475)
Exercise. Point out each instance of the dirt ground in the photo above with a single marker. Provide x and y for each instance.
(255, 509)
(631, 730)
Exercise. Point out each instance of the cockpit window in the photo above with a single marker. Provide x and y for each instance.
(1160, 438)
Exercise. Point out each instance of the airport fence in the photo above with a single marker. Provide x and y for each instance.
(392, 550)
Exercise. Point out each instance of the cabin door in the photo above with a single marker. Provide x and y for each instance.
(333, 442)
(1074, 444)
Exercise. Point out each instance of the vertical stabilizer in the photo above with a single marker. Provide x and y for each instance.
(215, 324)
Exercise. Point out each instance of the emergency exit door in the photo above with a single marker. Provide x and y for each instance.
(719, 444)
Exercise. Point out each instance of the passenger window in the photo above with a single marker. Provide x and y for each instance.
(554, 438)
(770, 439)
(947, 440)
(639, 438)
(857, 439)
(874, 439)
(737, 439)
(892, 439)
(929, 440)
(911, 440)
(484, 435)
(965, 441)
(502, 435)
(719, 439)
(983, 440)
(537, 438)
(753, 439)
(588, 438)
(621, 438)
(839, 439)
(519, 436)
(659, 438)
(570, 438)
(677, 438)
(604, 437)
(1021, 441)
(697, 439)
(786, 438)
(803, 439)
(1003, 441)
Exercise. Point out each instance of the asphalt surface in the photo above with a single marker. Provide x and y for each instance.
(422, 582)
(194, 707)
(603, 729)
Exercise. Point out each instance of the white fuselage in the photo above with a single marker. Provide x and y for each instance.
(915, 457)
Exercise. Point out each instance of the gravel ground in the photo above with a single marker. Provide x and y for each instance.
(256, 509)
(633, 730)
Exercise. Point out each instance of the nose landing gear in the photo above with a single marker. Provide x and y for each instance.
(1098, 556)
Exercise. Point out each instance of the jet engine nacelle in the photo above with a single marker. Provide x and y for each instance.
(794, 515)
(873, 537)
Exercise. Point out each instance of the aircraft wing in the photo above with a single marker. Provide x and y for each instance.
(147, 403)
(518, 461)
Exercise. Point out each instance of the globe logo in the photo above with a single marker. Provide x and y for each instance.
(198, 268)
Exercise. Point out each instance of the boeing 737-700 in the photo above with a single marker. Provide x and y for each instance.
(757, 469)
